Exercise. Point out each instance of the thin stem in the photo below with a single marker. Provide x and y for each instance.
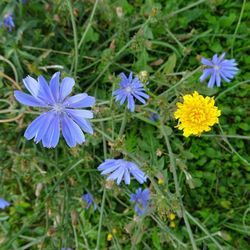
(124, 122)
(185, 8)
(75, 62)
(181, 81)
(100, 220)
(237, 26)
(203, 229)
(89, 24)
(12, 66)
(177, 188)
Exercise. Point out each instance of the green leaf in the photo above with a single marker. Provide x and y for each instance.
(170, 64)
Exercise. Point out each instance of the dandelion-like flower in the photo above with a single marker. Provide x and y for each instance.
(129, 89)
(140, 198)
(196, 114)
(62, 112)
(3, 203)
(121, 169)
(218, 68)
(88, 198)
(8, 22)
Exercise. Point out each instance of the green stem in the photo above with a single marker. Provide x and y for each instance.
(89, 24)
(237, 26)
(100, 220)
(181, 81)
(204, 230)
(124, 122)
(75, 62)
(177, 188)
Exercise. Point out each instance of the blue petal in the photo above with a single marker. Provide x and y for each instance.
(28, 99)
(110, 169)
(38, 127)
(44, 91)
(66, 87)
(117, 174)
(55, 85)
(31, 85)
(131, 103)
(205, 75)
(80, 120)
(3, 203)
(139, 98)
(51, 137)
(212, 80)
(137, 173)
(127, 177)
(218, 80)
(106, 164)
(81, 113)
(207, 62)
(80, 101)
(71, 132)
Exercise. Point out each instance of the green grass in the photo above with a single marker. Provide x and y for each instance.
(204, 180)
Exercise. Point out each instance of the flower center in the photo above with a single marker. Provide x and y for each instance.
(216, 67)
(128, 89)
(197, 116)
(58, 107)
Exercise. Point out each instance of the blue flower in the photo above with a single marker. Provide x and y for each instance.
(8, 22)
(218, 68)
(122, 169)
(66, 248)
(3, 203)
(140, 198)
(130, 89)
(61, 112)
(88, 198)
(153, 117)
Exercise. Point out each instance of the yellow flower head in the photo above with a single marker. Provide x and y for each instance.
(172, 224)
(171, 216)
(196, 114)
(109, 237)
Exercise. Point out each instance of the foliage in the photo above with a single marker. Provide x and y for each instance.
(203, 180)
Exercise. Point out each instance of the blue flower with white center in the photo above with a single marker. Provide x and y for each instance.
(88, 198)
(8, 22)
(3, 203)
(61, 111)
(121, 169)
(140, 198)
(218, 68)
(129, 89)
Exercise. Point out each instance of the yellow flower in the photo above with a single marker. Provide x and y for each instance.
(160, 181)
(109, 237)
(172, 224)
(196, 114)
(171, 216)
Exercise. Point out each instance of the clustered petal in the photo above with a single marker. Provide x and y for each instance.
(88, 198)
(121, 169)
(4, 203)
(218, 68)
(61, 112)
(129, 89)
(196, 114)
(140, 198)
